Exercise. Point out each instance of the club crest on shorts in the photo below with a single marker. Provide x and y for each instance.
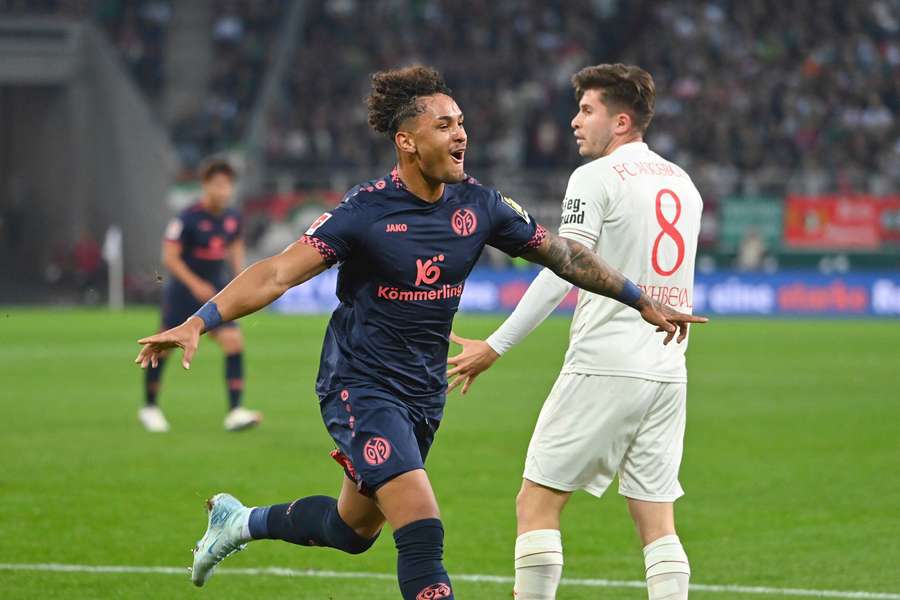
(376, 452)
(464, 222)
(516, 207)
(434, 592)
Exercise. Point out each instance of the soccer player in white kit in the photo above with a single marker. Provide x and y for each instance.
(618, 406)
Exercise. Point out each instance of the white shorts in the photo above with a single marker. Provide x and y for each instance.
(594, 426)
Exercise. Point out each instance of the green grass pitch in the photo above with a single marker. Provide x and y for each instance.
(792, 461)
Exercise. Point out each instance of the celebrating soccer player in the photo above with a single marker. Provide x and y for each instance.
(405, 244)
(618, 406)
(197, 245)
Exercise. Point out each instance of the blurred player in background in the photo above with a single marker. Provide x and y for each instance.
(405, 243)
(202, 249)
(618, 406)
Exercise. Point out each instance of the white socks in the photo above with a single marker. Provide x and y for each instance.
(668, 571)
(539, 563)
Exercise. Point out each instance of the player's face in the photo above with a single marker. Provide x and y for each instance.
(594, 126)
(440, 139)
(218, 190)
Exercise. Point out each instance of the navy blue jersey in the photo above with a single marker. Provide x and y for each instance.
(204, 239)
(403, 264)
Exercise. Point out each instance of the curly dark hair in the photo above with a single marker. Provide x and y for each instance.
(625, 87)
(395, 93)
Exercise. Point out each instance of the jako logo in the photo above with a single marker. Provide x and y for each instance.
(395, 227)
(427, 272)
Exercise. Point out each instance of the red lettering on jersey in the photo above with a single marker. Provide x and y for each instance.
(396, 227)
(668, 230)
(674, 296)
(428, 272)
(231, 224)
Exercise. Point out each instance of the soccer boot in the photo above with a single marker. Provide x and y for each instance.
(153, 419)
(223, 537)
(240, 418)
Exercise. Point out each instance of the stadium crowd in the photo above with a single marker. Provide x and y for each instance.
(243, 32)
(759, 91)
(766, 88)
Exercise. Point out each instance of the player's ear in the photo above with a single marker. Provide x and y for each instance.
(405, 142)
(623, 123)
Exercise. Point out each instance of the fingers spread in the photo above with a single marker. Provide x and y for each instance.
(453, 384)
(669, 337)
(456, 339)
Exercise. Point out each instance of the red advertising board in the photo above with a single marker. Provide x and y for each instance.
(834, 222)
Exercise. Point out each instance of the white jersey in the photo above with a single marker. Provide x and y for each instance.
(641, 214)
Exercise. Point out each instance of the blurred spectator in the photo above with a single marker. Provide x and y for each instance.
(138, 29)
(242, 33)
(752, 91)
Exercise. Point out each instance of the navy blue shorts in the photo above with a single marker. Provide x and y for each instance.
(378, 437)
(178, 304)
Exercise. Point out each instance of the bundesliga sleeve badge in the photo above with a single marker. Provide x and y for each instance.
(515, 206)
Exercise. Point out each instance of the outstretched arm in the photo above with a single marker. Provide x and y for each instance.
(257, 286)
(580, 266)
(575, 263)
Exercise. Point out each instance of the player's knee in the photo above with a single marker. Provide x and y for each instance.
(528, 510)
(420, 552)
(230, 339)
(347, 538)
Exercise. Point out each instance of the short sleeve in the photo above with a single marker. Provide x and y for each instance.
(176, 231)
(583, 208)
(513, 230)
(336, 234)
(239, 229)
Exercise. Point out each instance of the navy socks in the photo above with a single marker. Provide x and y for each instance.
(151, 382)
(420, 567)
(234, 377)
(312, 521)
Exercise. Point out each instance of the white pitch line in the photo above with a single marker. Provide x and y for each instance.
(286, 572)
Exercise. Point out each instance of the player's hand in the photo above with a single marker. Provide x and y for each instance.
(203, 291)
(668, 320)
(185, 336)
(476, 356)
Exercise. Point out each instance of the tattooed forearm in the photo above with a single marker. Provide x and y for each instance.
(578, 265)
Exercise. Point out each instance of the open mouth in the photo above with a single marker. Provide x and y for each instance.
(458, 155)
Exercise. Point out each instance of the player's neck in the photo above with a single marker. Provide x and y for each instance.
(210, 207)
(618, 142)
(419, 185)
